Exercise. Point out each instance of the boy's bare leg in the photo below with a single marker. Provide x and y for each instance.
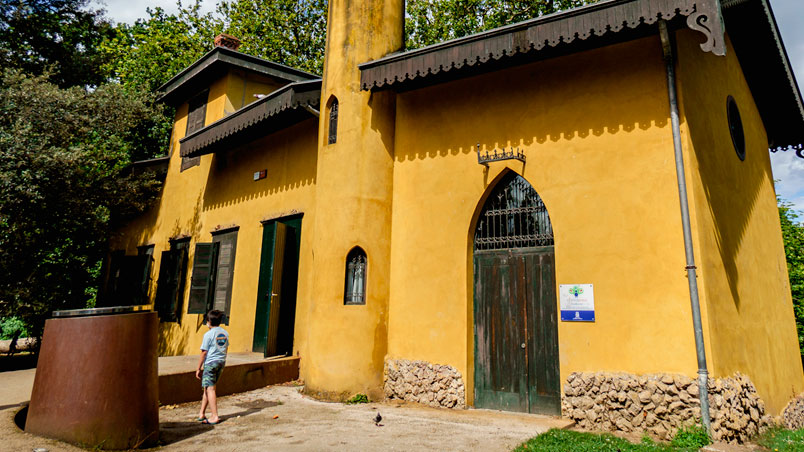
(211, 396)
(203, 413)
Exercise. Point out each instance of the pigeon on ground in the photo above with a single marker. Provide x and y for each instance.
(377, 419)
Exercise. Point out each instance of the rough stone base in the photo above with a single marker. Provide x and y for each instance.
(662, 403)
(793, 414)
(422, 382)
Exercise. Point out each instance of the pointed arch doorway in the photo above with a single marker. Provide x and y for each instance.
(516, 330)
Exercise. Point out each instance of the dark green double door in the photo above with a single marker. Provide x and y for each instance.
(516, 332)
(276, 291)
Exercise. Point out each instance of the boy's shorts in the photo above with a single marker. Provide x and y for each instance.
(211, 373)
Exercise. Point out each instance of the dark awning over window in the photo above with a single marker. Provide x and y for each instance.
(280, 109)
(750, 23)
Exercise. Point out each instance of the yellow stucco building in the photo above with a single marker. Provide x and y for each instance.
(431, 224)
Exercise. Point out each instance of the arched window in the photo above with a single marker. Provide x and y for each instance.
(333, 120)
(514, 216)
(355, 287)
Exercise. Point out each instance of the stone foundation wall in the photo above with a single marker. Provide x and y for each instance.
(793, 414)
(662, 403)
(422, 382)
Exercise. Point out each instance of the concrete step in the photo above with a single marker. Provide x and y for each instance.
(177, 382)
(243, 372)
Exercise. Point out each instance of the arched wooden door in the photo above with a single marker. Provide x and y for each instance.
(516, 331)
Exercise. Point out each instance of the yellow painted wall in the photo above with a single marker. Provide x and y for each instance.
(738, 238)
(599, 151)
(344, 346)
(241, 86)
(221, 193)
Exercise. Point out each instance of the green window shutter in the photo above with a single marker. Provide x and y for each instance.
(112, 278)
(179, 276)
(132, 282)
(196, 116)
(203, 278)
(222, 297)
(166, 286)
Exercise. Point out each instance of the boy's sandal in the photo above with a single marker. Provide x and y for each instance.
(201, 419)
(208, 422)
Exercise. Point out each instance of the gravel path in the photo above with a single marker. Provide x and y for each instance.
(279, 418)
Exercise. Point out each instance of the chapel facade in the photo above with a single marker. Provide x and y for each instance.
(492, 221)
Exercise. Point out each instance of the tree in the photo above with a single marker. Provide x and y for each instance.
(431, 21)
(290, 32)
(793, 235)
(61, 37)
(63, 187)
(147, 54)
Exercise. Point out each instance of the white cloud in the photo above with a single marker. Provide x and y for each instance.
(788, 170)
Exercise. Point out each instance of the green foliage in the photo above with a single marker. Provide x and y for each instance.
(358, 398)
(12, 327)
(290, 32)
(569, 441)
(153, 50)
(431, 21)
(147, 54)
(61, 37)
(793, 235)
(783, 440)
(63, 186)
(694, 436)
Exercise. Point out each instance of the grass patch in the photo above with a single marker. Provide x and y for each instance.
(783, 440)
(358, 398)
(694, 436)
(569, 441)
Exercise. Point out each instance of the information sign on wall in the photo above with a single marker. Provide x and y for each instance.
(577, 302)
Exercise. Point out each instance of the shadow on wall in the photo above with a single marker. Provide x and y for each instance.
(529, 105)
(289, 156)
(172, 339)
(733, 188)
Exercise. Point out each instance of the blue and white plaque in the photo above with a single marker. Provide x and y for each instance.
(577, 302)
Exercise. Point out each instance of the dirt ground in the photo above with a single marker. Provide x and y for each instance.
(304, 424)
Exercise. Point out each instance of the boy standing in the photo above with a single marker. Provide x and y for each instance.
(210, 365)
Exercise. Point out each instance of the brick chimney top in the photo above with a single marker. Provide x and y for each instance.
(228, 41)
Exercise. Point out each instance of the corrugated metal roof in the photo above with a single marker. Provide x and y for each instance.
(282, 108)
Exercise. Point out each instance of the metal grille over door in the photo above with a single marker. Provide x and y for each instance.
(514, 216)
(516, 329)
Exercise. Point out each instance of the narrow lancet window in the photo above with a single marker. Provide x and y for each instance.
(333, 121)
(356, 263)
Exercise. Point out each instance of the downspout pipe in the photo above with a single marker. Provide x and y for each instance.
(703, 373)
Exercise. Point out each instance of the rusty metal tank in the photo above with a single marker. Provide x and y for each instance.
(96, 381)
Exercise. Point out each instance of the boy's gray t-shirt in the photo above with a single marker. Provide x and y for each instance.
(216, 344)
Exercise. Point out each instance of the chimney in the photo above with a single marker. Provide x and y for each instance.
(228, 41)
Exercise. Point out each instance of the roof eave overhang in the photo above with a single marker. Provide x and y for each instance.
(283, 108)
(214, 64)
(552, 35)
(757, 44)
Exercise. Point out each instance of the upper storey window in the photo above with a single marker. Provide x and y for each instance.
(333, 121)
(196, 115)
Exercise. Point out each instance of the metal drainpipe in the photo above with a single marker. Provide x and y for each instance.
(703, 374)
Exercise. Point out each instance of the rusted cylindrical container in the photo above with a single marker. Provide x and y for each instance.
(96, 381)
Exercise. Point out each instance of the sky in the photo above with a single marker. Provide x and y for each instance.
(787, 168)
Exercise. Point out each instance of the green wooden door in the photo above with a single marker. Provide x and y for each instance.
(544, 385)
(516, 334)
(276, 291)
(500, 361)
